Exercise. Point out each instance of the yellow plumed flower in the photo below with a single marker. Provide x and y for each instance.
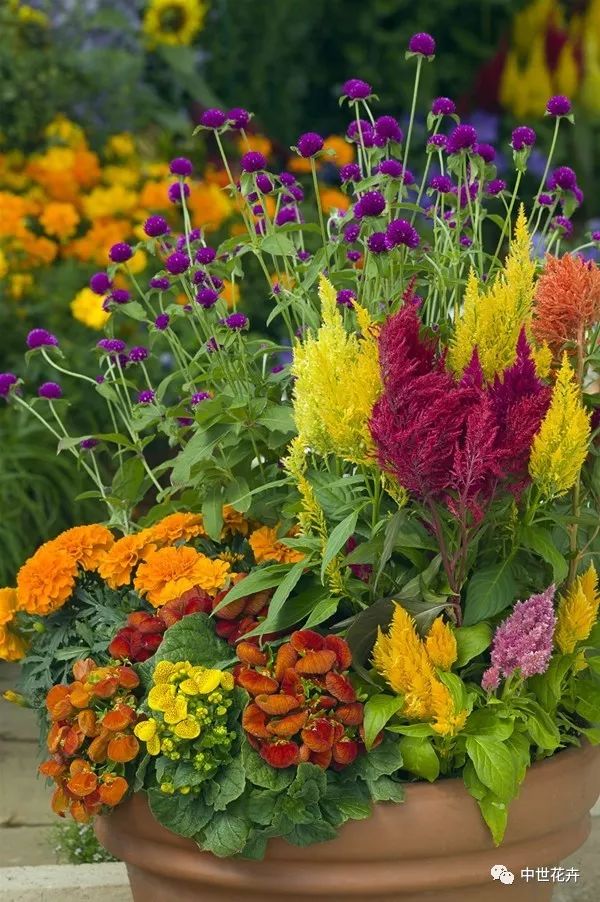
(46, 580)
(577, 612)
(589, 93)
(510, 81)
(440, 645)
(176, 528)
(536, 82)
(401, 657)
(331, 419)
(492, 320)
(561, 445)
(87, 308)
(173, 22)
(87, 545)
(8, 605)
(566, 75)
(447, 720)
(168, 572)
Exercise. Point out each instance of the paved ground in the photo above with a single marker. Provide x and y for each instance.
(26, 818)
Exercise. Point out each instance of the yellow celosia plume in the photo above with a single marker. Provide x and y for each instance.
(337, 383)
(561, 445)
(492, 321)
(577, 611)
(440, 645)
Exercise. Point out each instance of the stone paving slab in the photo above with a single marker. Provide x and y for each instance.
(84, 882)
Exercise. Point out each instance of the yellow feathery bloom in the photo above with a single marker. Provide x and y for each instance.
(447, 720)
(173, 22)
(266, 546)
(86, 544)
(330, 418)
(8, 605)
(589, 93)
(168, 572)
(492, 321)
(577, 611)
(531, 20)
(440, 645)
(566, 75)
(561, 445)
(176, 528)
(401, 658)
(45, 581)
(87, 308)
(12, 646)
(510, 81)
(536, 83)
(119, 561)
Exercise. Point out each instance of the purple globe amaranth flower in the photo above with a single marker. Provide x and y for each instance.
(356, 89)
(467, 193)
(485, 151)
(99, 379)
(353, 256)
(378, 243)
(296, 193)
(565, 225)
(198, 397)
(309, 144)
(545, 200)
(345, 297)
(253, 161)
(562, 177)
(238, 117)
(100, 283)
(119, 296)
(350, 172)
(278, 368)
(7, 380)
(372, 203)
(260, 227)
(86, 444)
(264, 183)
(176, 192)
(351, 232)
(111, 345)
(465, 241)
(138, 354)
(287, 179)
(559, 105)
(146, 396)
(407, 177)
(205, 255)
(389, 129)
(235, 321)
(213, 118)
(422, 44)
(360, 128)
(161, 283)
(303, 256)
(215, 281)
(155, 226)
(463, 137)
(287, 214)
(400, 231)
(595, 236)
(443, 106)
(185, 421)
(162, 321)
(39, 338)
(523, 136)
(258, 209)
(181, 166)
(578, 194)
(523, 641)
(50, 390)
(440, 142)
(391, 168)
(207, 297)
(441, 183)
(120, 252)
(495, 187)
(177, 263)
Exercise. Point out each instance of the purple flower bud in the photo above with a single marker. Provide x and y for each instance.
(356, 89)
(378, 243)
(177, 263)
(50, 391)
(213, 118)
(596, 237)
(236, 322)
(564, 225)
(238, 118)
(198, 397)
(463, 137)
(422, 44)
(181, 166)
(278, 368)
(39, 338)
(485, 151)
(400, 231)
(465, 241)
(303, 256)
(443, 106)
(178, 191)
(86, 444)
(388, 128)
(285, 215)
(120, 252)
(264, 183)
(111, 345)
(100, 380)
(185, 421)
(138, 354)
(160, 282)
(372, 203)
(361, 128)
(260, 227)
(578, 194)
(353, 256)
(146, 396)
(522, 136)
(439, 141)
(253, 161)
(287, 179)
(156, 226)
(100, 283)
(215, 281)
(120, 296)
(345, 297)
(350, 172)
(495, 187)
(309, 144)
(441, 183)
(351, 232)
(258, 209)
(207, 297)
(564, 178)
(559, 105)
(392, 168)
(205, 255)
(7, 380)
(545, 200)
(162, 321)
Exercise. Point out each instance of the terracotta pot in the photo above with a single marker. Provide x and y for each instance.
(433, 846)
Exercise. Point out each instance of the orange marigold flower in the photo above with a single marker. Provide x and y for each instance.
(567, 300)
(267, 547)
(12, 646)
(87, 545)
(118, 563)
(59, 219)
(234, 523)
(168, 572)
(45, 582)
(8, 605)
(177, 527)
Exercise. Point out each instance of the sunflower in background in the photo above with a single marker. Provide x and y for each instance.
(173, 22)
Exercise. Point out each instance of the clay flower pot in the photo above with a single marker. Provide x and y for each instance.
(434, 845)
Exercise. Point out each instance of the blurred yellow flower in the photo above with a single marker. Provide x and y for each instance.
(59, 219)
(230, 293)
(66, 131)
(113, 201)
(209, 206)
(173, 22)
(255, 142)
(86, 307)
(138, 262)
(441, 644)
(341, 151)
(3, 264)
(333, 199)
(121, 145)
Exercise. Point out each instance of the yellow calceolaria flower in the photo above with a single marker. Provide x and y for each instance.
(577, 611)
(492, 321)
(337, 383)
(561, 445)
(87, 308)
(173, 22)
(147, 732)
(440, 645)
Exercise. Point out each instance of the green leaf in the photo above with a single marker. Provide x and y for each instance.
(322, 611)
(540, 540)
(259, 579)
(193, 639)
(337, 539)
(297, 608)
(362, 632)
(379, 709)
(262, 774)
(129, 480)
(284, 589)
(278, 418)
(278, 245)
(542, 729)
(212, 512)
(384, 789)
(419, 757)
(411, 729)
(185, 815)
(231, 781)
(200, 447)
(471, 641)
(494, 765)
(134, 310)
(494, 722)
(588, 700)
(225, 834)
(490, 590)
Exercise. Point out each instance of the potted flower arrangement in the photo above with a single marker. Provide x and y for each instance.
(353, 606)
